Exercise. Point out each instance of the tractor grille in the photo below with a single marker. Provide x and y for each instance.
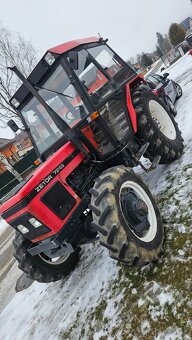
(59, 200)
(115, 117)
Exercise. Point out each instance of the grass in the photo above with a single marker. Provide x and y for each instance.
(141, 289)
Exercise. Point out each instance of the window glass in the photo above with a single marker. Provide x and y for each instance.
(68, 104)
(153, 80)
(159, 78)
(44, 131)
(112, 64)
(94, 81)
(64, 100)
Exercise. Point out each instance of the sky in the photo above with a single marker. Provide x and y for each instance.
(130, 25)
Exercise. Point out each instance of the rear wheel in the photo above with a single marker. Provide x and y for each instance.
(126, 216)
(40, 267)
(157, 126)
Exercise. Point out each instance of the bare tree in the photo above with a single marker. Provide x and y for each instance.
(14, 50)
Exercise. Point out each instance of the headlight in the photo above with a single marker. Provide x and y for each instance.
(35, 223)
(22, 229)
(49, 58)
(15, 102)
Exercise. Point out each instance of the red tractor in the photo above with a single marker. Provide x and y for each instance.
(90, 120)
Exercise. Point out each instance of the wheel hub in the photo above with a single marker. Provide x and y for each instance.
(135, 211)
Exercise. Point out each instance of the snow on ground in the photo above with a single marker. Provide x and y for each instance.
(3, 226)
(103, 300)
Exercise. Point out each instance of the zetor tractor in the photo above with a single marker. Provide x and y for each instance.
(90, 120)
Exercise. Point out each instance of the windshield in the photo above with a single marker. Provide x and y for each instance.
(94, 80)
(66, 103)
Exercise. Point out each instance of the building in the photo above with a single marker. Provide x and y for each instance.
(14, 149)
(187, 24)
(23, 143)
(9, 151)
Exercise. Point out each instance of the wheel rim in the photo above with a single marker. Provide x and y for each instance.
(178, 89)
(54, 261)
(150, 231)
(162, 119)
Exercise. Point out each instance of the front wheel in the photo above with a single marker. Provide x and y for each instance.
(40, 267)
(156, 126)
(126, 216)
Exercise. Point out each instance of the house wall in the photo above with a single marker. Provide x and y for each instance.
(10, 153)
(24, 144)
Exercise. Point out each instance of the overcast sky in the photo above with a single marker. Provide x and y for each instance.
(130, 25)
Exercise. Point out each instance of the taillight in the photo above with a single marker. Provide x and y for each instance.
(156, 92)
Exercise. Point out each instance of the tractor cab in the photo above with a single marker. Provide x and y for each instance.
(76, 92)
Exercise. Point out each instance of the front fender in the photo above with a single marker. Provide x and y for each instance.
(132, 113)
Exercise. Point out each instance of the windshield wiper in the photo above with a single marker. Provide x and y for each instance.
(44, 88)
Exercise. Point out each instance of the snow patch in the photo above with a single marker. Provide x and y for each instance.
(165, 298)
(145, 327)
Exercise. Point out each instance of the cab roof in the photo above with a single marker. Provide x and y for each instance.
(72, 44)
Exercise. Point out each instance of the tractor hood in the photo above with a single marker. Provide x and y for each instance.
(43, 176)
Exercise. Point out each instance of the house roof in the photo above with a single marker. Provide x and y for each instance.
(4, 142)
(20, 136)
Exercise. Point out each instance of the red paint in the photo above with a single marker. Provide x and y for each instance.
(72, 44)
(36, 207)
(130, 108)
(156, 92)
(138, 79)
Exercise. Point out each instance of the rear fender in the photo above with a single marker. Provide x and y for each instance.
(129, 86)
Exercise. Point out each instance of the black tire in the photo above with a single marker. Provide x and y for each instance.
(160, 143)
(38, 267)
(179, 90)
(115, 231)
(171, 106)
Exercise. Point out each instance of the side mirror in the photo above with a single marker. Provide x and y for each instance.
(13, 126)
(74, 60)
(165, 75)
